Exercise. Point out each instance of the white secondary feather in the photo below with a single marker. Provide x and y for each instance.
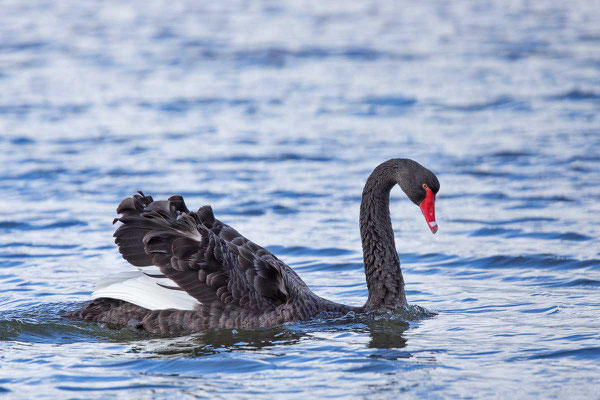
(154, 270)
(139, 289)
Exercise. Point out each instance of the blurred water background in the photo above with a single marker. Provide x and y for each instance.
(275, 112)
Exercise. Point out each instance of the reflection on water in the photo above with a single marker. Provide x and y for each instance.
(222, 340)
(387, 334)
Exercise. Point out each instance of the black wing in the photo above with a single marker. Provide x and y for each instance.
(211, 261)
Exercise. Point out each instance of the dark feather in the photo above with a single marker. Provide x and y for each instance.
(238, 283)
(199, 253)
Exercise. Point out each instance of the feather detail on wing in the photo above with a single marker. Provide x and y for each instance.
(193, 253)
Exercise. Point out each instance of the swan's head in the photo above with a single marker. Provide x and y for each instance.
(421, 187)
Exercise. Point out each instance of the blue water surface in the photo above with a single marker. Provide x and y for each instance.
(275, 112)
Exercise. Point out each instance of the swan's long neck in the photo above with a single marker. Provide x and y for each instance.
(382, 266)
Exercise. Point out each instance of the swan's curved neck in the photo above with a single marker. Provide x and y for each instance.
(382, 266)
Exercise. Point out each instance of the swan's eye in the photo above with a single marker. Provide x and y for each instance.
(425, 186)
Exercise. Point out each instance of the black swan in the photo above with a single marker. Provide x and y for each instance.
(196, 272)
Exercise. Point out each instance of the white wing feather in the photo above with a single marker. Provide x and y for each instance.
(137, 288)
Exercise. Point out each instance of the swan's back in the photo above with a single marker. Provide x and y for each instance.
(196, 273)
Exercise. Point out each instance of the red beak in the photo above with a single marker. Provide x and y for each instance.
(428, 209)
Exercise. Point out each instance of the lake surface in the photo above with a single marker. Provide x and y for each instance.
(275, 112)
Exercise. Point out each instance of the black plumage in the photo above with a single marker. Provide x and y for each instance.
(237, 283)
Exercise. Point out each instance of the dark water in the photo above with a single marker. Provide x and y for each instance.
(275, 113)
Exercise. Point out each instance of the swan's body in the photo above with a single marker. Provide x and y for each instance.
(197, 273)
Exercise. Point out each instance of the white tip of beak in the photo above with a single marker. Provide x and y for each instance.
(433, 226)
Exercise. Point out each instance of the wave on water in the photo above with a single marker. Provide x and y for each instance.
(534, 261)
(586, 353)
(43, 324)
(576, 95)
(24, 226)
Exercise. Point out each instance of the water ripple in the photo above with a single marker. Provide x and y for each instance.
(275, 114)
(24, 226)
(577, 95)
(513, 233)
(587, 353)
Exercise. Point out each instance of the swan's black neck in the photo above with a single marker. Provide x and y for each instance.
(382, 266)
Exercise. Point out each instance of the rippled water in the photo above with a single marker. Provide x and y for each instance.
(275, 113)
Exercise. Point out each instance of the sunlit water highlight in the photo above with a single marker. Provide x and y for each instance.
(275, 113)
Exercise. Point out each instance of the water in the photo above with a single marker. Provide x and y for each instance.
(275, 113)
